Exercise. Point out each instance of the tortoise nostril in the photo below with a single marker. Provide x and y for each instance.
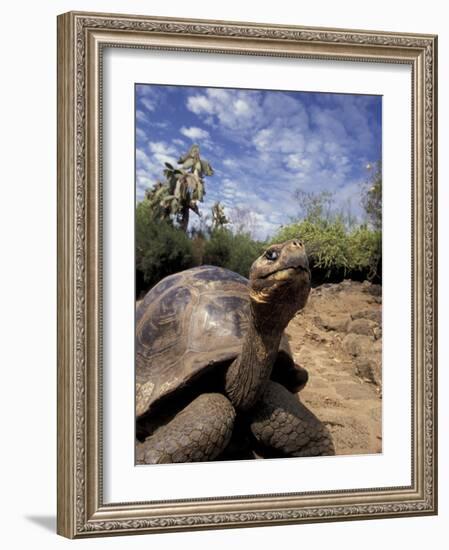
(297, 243)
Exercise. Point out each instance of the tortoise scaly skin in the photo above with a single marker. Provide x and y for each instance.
(200, 432)
(211, 354)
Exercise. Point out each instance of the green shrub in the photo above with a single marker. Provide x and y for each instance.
(217, 250)
(365, 251)
(198, 245)
(336, 252)
(243, 253)
(233, 251)
(326, 243)
(161, 249)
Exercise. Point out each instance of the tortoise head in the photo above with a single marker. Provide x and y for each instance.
(280, 282)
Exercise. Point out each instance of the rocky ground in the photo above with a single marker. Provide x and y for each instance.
(338, 339)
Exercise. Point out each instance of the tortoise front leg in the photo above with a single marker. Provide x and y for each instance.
(282, 423)
(200, 432)
(289, 374)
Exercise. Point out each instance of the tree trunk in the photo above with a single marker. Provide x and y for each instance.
(185, 217)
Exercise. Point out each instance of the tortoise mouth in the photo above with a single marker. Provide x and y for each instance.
(286, 273)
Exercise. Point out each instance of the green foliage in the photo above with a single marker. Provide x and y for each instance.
(198, 241)
(326, 243)
(337, 245)
(372, 200)
(182, 190)
(336, 251)
(365, 251)
(233, 251)
(219, 218)
(314, 207)
(161, 249)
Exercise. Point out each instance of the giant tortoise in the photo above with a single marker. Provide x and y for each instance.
(211, 354)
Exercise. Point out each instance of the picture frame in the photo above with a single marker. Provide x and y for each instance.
(82, 40)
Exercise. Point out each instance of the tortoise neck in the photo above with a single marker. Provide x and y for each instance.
(249, 373)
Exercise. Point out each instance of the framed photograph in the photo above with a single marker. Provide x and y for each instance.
(246, 274)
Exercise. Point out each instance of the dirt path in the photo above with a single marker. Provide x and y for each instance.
(338, 339)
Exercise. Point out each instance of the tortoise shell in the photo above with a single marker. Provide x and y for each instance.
(189, 321)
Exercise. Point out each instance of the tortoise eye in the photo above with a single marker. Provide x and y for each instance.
(271, 255)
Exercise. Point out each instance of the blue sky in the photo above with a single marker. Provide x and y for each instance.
(263, 145)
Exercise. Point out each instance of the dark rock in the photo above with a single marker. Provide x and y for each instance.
(371, 314)
(370, 288)
(362, 326)
(348, 284)
(317, 337)
(357, 344)
(337, 323)
(368, 369)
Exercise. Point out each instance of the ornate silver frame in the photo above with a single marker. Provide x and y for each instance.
(81, 38)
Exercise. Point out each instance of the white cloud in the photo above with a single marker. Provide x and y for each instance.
(148, 96)
(219, 93)
(195, 133)
(142, 184)
(161, 148)
(241, 107)
(286, 136)
(281, 143)
(230, 163)
(150, 164)
(280, 140)
(142, 160)
(199, 104)
(141, 116)
(179, 142)
(232, 109)
(141, 134)
(160, 124)
(263, 139)
(149, 104)
(297, 161)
